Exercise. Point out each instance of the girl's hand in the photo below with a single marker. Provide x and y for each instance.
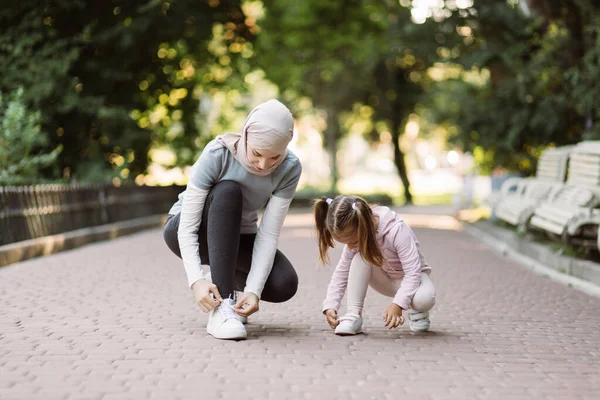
(331, 316)
(202, 292)
(247, 305)
(393, 316)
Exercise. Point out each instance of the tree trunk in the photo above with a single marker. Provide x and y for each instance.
(331, 136)
(399, 160)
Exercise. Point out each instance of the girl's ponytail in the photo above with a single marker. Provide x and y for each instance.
(367, 234)
(324, 237)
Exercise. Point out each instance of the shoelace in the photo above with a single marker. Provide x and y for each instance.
(226, 310)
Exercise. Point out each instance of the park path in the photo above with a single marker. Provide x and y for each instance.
(114, 320)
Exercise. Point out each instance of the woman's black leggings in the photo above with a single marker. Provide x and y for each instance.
(228, 252)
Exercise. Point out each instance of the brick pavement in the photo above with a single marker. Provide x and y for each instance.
(114, 320)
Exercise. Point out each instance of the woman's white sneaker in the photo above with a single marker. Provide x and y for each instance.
(223, 322)
(236, 296)
(419, 321)
(350, 324)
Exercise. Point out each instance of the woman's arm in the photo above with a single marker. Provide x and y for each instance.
(189, 224)
(203, 176)
(267, 237)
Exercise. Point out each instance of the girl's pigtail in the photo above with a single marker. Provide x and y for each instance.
(367, 234)
(325, 240)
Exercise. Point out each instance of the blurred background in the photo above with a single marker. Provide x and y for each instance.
(424, 101)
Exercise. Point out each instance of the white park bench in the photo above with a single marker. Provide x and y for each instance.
(552, 164)
(520, 196)
(517, 208)
(572, 213)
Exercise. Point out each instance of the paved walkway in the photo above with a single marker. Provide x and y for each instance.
(114, 320)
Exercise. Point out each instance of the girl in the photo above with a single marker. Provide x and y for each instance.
(214, 222)
(381, 251)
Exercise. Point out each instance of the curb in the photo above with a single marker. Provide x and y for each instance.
(530, 263)
(27, 249)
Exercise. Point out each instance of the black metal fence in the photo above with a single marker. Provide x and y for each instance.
(28, 212)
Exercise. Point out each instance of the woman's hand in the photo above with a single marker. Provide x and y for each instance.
(331, 316)
(202, 292)
(247, 305)
(393, 316)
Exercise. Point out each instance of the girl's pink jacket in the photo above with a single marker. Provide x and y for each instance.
(404, 260)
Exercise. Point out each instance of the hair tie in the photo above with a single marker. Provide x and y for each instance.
(354, 206)
(329, 201)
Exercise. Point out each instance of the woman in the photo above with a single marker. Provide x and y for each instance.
(214, 222)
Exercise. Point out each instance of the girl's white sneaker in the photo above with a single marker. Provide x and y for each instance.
(419, 321)
(350, 324)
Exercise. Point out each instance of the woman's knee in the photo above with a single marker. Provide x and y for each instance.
(224, 200)
(170, 234)
(289, 287)
(281, 287)
(227, 189)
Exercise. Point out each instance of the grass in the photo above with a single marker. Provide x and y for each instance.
(556, 247)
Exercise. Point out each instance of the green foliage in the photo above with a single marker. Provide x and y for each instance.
(21, 142)
(542, 85)
(583, 79)
(324, 51)
(344, 54)
(111, 78)
(310, 48)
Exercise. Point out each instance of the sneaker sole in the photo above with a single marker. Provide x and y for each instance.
(348, 333)
(419, 330)
(240, 336)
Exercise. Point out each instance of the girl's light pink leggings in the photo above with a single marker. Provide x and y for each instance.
(363, 275)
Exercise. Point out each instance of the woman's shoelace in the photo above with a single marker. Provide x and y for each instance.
(226, 310)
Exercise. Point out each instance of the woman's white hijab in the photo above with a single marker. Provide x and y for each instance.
(269, 126)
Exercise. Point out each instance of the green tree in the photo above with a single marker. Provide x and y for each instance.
(21, 142)
(400, 78)
(321, 50)
(342, 53)
(542, 88)
(395, 85)
(112, 77)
